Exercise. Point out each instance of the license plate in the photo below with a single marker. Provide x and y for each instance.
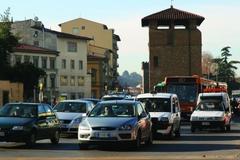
(2, 134)
(103, 135)
(205, 123)
(64, 126)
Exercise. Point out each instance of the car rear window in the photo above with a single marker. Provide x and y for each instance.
(76, 107)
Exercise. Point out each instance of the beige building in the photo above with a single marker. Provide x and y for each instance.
(10, 92)
(67, 75)
(103, 42)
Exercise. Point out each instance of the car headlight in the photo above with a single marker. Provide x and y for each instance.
(84, 126)
(164, 119)
(194, 118)
(17, 128)
(77, 120)
(126, 127)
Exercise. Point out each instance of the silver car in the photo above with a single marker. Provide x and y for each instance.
(114, 121)
(70, 113)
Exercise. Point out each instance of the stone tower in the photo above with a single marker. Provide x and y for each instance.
(174, 44)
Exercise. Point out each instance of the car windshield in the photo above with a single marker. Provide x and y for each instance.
(185, 93)
(76, 107)
(157, 104)
(210, 106)
(113, 110)
(19, 110)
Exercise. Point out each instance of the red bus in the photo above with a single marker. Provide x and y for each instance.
(187, 88)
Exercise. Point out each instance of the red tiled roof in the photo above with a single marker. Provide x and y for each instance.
(178, 16)
(34, 49)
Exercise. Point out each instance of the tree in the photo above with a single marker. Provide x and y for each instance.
(7, 42)
(226, 68)
(21, 73)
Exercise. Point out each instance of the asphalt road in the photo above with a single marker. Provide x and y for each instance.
(200, 145)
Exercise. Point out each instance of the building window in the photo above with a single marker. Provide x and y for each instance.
(63, 80)
(155, 61)
(72, 46)
(36, 43)
(35, 61)
(63, 63)
(75, 30)
(52, 80)
(80, 65)
(72, 81)
(80, 81)
(26, 59)
(44, 62)
(72, 96)
(81, 95)
(52, 63)
(72, 64)
(94, 75)
(83, 27)
(18, 59)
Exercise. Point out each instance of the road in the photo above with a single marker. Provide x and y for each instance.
(200, 145)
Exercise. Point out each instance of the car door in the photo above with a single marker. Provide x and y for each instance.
(143, 121)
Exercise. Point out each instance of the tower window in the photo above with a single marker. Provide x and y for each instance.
(155, 61)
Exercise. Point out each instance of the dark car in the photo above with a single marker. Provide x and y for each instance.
(28, 122)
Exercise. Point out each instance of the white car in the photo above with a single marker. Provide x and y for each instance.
(165, 112)
(70, 113)
(213, 111)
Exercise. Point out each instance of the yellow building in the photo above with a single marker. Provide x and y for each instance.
(10, 92)
(104, 44)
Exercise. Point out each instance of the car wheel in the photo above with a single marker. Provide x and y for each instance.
(222, 129)
(150, 139)
(55, 138)
(32, 139)
(83, 146)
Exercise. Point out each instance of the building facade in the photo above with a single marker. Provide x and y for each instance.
(174, 44)
(10, 92)
(70, 76)
(103, 43)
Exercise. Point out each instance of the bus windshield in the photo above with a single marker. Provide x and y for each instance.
(185, 93)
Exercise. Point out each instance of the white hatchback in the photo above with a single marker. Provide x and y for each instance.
(165, 112)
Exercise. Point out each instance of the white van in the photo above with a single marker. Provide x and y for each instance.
(165, 113)
(213, 110)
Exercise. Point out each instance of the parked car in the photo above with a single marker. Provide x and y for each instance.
(213, 111)
(71, 113)
(28, 122)
(165, 112)
(116, 121)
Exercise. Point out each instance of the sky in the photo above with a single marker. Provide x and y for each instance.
(220, 28)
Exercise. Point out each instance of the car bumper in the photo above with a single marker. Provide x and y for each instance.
(161, 127)
(14, 136)
(69, 128)
(106, 136)
(207, 124)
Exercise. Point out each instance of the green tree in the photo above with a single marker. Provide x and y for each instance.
(7, 42)
(226, 68)
(29, 75)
